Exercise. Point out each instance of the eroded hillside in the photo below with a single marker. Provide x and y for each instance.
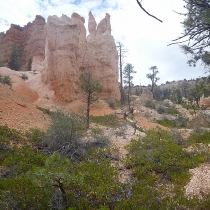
(18, 112)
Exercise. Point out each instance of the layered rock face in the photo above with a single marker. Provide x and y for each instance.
(68, 53)
(28, 42)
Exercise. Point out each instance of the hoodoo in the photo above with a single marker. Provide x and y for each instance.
(61, 50)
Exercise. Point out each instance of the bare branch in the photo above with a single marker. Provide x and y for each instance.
(178, 42)
(147, 12)
(179, 13)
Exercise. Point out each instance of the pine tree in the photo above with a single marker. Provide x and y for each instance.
(153, 77)
(29, 64)
(128, 79)
(89, 85)
(13, 61)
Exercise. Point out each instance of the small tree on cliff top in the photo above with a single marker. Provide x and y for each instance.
(89, 85)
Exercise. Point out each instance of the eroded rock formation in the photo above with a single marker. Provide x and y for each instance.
(28, 41)
(68, 53)
(101, 56)
(61, 68)
(61, 51)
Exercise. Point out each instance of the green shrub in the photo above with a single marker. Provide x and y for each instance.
(23, 193)
(157, 153)
(179, 122)
(35, 189)
(110, 153)
(200, 136)
(21, 159)
(34, 135)
(106, 120)
(157, 161)
(17, 154)
(97, 131)
(11, 136)
(30, 180)
(111, 102)
(63, 135)
(150, 104)
(166, 123)
(158, 166)
(44, 110)
(24, 76)
(95, 184)
(188, 106)
(172, 111)
(8, 137)
(6, 80)
(161, 109)
(89, 184)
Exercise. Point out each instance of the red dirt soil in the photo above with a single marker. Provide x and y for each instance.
(18, 112)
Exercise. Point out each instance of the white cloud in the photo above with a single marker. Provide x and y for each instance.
(145, 38)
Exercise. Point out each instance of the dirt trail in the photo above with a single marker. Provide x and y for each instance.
(122, 136)
(148, 125)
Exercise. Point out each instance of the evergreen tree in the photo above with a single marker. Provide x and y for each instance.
(13, 61)
(196, 31)
(185, 88)
(128, 79)
(197, 91)
(16, 57)
(158, 94)
(89, 85)
(153, 77)
(20, 57)
(29, 64)
(176, 96)
(166, 94)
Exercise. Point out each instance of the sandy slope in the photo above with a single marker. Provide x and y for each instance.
(18, 112)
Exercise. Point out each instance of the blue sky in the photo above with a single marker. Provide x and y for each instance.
(145, 38)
